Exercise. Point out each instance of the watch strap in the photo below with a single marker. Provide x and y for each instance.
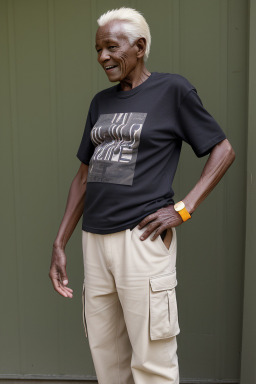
(182, 211)
(185, 215)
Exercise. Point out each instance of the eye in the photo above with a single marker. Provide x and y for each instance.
(98, 50)
(112, 47)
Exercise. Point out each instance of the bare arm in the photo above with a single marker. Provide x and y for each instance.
(73, 212)
(220, 159)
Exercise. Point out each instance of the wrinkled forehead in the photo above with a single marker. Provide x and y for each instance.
(112, 30)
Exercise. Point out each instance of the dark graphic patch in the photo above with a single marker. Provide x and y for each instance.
(116, 138)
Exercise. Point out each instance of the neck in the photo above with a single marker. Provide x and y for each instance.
(137, 77)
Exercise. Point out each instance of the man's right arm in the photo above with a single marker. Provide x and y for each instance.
(73, 212)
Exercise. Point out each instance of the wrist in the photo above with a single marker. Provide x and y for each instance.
(58, 244)
(190, 208)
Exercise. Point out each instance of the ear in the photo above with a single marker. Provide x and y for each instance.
(141, 45)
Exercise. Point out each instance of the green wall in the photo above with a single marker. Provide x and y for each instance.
(248, 373)
(48, 76)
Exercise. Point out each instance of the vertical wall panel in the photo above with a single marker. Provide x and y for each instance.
(49, 73)
(73, 44)
(10, 350)
(235, 183)
(248, 370)
(32, 147)
(200, 264)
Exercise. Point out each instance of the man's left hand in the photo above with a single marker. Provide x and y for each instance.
(157, 222)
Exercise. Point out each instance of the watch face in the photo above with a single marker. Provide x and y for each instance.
(179, 206)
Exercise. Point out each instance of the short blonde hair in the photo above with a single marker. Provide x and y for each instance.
(135, 25)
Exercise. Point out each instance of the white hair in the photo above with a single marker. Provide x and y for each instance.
(135, 25)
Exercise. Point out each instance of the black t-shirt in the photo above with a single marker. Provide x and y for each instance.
(132, 142)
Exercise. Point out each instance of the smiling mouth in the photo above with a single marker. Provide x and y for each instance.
(109, 67)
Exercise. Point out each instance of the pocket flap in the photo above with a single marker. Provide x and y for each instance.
(163, 282)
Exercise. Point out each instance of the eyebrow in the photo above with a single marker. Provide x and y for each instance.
(108, 41)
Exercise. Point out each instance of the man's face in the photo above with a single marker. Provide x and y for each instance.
(115, 54)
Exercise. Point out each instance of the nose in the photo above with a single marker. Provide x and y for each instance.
(104, 55)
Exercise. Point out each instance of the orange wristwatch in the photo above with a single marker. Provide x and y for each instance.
(182, 211)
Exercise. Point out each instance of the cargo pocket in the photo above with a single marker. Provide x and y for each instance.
(84, 319)
(163, 306)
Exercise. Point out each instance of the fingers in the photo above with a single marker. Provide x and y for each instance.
(69, 289)
(64, 277)
(61, 289)
(149, 229)
(147, 220)
(157, 233)
(157, 222)
(58, 274)
(58, 284)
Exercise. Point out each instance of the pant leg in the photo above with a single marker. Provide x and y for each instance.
(108, 339)
(154, 357)
(143, 272)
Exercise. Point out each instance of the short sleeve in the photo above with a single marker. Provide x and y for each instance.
(197, 127)
(86, 147)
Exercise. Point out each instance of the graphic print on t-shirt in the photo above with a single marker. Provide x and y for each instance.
(116, 137)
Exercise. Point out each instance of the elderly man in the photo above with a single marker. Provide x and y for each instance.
(129, 154)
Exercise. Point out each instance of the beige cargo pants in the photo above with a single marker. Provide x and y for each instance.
(130, 307)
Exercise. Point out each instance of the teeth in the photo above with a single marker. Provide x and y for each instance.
(110, 66)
